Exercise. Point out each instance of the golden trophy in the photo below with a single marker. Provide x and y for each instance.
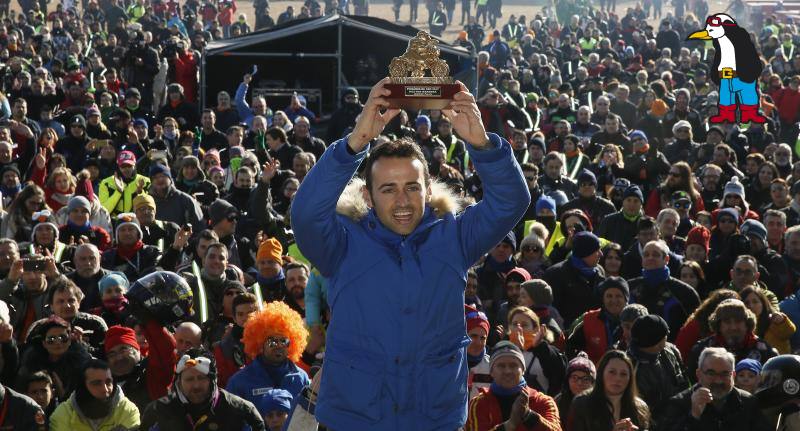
(410, 88)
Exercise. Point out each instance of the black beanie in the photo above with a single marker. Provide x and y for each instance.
(614, 283)
(647, 331)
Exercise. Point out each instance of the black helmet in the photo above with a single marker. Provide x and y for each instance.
(163, 294)
(780, 381)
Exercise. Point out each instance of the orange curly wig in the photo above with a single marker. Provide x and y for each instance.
(276, 319)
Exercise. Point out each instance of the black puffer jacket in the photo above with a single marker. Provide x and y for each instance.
(230, 413)
(659, 378)
(740, 412)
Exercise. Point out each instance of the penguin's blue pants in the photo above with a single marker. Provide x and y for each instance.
(729, 88)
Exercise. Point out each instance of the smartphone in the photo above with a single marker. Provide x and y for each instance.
(29, 264)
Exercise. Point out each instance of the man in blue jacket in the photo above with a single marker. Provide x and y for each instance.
(395, 356)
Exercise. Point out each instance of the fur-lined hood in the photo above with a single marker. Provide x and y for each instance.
(353, 205)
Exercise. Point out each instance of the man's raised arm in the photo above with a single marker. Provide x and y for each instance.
(318, 233)
(505, 194)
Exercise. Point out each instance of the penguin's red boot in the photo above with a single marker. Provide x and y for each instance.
(750, 113)
(727, 114)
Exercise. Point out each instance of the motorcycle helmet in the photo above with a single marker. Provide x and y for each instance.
(165, 295)
(780, 381)
(560, 198)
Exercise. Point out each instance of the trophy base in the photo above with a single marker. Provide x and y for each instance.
(421, 95)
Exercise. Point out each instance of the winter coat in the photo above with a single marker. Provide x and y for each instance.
(575, 293)
(410, 368)
(659, 378)
(179, 208)
(98, 217)
(485, 413)
(117, 202)
(68, 416)
(252, 381)
(739, 413)
(616, 228)
(27, 415)
(673, 300)
(230, 413)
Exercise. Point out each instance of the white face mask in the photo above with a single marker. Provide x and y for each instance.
(170, 134)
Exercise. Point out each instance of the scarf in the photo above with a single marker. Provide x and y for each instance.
(129, 251)
(266, 281)
(631, 218)
(93, 408)
(655, 276)
(573, 153)
(115, 305)
(276, 372)
(500, 267)
(190, 183)
(61, 198)
(84, 229)
(10, 192)
(586, 270)
(505, 392)
(644, 149)
(475, 360)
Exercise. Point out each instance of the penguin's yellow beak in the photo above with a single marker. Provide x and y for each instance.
(702, 35)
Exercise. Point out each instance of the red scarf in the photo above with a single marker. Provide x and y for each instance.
(128, 252)
(573, 153)
(644, 149)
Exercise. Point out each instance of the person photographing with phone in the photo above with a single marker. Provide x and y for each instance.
(398, 267)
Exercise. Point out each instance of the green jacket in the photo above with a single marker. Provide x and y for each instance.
(68, 416)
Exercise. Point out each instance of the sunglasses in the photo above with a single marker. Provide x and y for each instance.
(529, 248)
(682, 205)
(276, 342)
(715, 21)
(53, 339)
(232, 218)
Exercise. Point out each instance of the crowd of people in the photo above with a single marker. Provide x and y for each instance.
(650, 280)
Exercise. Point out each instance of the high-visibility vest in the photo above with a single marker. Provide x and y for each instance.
(201, 292)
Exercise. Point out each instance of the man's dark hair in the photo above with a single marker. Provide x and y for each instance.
(277, 133)
(208, 235)
(94, 364)
(530, 167)
(64, 284)
(296, 265)
(646, 223)
(402, 149)
(39, 376)
(218, 245)
(243, 298)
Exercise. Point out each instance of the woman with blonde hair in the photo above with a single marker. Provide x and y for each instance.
(607, 166)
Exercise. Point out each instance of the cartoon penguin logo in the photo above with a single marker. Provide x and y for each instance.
(735, 69)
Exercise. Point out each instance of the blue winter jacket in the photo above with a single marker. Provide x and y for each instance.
(395, 356)
(791, 308)
(253, 382)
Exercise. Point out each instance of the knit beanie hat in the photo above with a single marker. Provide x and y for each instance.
(511, 239)
(546, 202)
(699, 235)
(749, 364)
(634, 191)
(581, 363)
(659, 108)
(476, 319)
(158, 168)
(212, 154)
(587, 176)
(539, 291)
(76, 202)
(112, 279)
(143, 200)
(270, 249)
(637, 134)
(734, 187)
(614, 283)
(730, 212)
(631, 312)
(506, 349)
(679, 125)
(423, 119)
(117, 335)
(584, 244)
(219, 210)
(126, 219)
(754, 228)
(647, 331)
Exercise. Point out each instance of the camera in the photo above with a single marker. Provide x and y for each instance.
(33, 264)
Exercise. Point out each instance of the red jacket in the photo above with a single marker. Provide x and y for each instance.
(688, 336)
(484, 412)
(788, 103)
(186, 75)
(161, 359)
(594, 335)
(653, 205)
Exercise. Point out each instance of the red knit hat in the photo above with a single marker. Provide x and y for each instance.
(699, 235)
(117, 335)
(476, 319)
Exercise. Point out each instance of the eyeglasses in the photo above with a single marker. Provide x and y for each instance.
(683, 130)
(273, 342)
(682, 205)
(530, 248)
(778, 189)
(578, 379)
(529, 179)
(121, 352)
(232, 218)
(53, 339)
(715, 374)
(715, 21)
